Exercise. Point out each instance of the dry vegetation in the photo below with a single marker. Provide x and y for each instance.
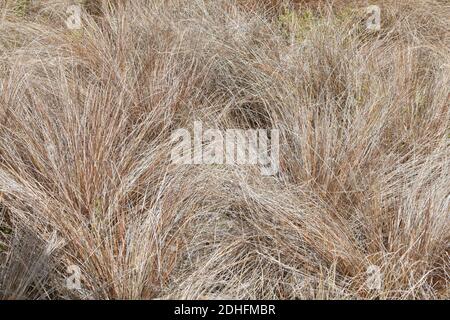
(85, 171)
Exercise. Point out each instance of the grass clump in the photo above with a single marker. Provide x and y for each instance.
(86, 177)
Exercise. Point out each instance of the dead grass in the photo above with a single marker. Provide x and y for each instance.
(85, 171)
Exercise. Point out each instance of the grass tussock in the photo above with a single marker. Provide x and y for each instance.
(85, 171)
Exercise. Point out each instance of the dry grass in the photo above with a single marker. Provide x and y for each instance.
(85, 171)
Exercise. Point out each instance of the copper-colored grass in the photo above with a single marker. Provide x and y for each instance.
(85, 172)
